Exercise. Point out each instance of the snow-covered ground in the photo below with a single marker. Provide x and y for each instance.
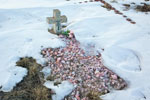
(23, 32)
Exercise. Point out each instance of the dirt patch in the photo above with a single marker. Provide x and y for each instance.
(127, 7)
(143, 8)
(31, 87)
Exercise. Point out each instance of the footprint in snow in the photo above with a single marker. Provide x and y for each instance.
(122, 58)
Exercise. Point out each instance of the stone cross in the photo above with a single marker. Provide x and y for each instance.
(56, 20)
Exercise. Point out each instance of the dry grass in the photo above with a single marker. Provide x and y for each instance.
(26, 62)
(50, 78)
(143, 8)
(92, 95)
(41, 93)
(31, 87)
(33, 71)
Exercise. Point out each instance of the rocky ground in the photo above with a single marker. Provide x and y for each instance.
(87, 72)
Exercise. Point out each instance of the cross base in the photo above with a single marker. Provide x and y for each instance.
(52, 31)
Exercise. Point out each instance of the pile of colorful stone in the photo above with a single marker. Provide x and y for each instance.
(85, 72)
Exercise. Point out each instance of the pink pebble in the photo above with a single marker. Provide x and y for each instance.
(89, 77)
(43, 52)
(58, 59)
(61, 36)
(114, 77)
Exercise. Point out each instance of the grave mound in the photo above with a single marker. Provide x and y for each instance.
(86, 72)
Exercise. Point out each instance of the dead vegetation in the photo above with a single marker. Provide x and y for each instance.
(92, 95)
(143, 8)
(107, 6)
(31, 87)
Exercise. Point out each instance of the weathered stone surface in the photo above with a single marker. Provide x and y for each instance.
(56, 20)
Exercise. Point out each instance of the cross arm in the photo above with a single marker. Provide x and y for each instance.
(50, 20)
(63, 19)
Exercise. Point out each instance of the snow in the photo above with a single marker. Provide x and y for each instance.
(23, 32)
(61, 90)
(122, 58)
(7, 4)
(13, 74)
(46, 71)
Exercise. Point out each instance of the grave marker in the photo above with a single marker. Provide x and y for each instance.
(56, 20)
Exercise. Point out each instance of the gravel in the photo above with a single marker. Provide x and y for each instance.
(86, 72)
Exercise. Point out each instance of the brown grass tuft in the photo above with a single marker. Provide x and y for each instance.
(92, 95)
(31, 87)
(143, 8)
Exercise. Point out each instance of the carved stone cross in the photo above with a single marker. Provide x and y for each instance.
(56, 20)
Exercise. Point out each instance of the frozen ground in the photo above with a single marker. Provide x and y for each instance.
(23, 32)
